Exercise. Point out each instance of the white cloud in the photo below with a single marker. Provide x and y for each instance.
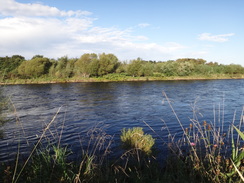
(215, 38)
(31, 29)
(13, 8)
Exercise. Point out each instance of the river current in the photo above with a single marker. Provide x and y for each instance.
(76, 108)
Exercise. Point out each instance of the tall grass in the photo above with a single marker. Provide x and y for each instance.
(205, 153)
(48, 160)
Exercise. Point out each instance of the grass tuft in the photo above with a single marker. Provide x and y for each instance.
(135, 138)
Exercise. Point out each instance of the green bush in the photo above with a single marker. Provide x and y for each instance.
(34, 68)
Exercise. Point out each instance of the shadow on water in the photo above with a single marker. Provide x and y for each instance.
(3, 108)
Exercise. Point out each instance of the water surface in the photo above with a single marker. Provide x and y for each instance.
(113, 106)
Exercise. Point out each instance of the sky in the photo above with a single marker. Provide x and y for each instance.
(158, 30)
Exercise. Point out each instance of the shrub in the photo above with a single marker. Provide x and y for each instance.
(34, 68)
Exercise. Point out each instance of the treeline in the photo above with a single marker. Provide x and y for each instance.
(97, 65)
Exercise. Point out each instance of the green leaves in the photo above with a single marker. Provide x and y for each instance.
(34, 68)
(135, 68)
(236, 157)
(239, 132)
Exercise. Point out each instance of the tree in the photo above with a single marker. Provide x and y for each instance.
(69, 69)
(108, 63)
(203, 70)
(134, 68)
(185, 68)
(62, 68)
(198, 61)
(234, 69)
(147, 69)
(9, 64)
(169, 68)
(121, 67)
(34, 68)
(37, 56)
(85, 64)
(94, 67)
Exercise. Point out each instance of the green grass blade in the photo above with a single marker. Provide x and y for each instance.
(233, 146)
(239, 173)
(239, 132)
(239, 158)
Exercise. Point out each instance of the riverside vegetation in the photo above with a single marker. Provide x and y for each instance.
(205, 153)
(106, 67)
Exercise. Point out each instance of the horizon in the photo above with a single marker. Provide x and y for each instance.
(156, 30)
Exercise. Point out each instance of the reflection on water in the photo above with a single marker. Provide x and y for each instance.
(115, 106)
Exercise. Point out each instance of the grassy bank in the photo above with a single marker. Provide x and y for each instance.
(115, 78)
(205, 153)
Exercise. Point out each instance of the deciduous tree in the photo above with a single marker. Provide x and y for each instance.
(34, 68)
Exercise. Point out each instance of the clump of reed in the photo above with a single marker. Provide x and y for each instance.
(48, 160)
(137, 163)
(205, 153)
(135, 138)
(44, 163)
(93, 164)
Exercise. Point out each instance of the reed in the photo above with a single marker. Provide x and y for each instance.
(135, 138)
(205, 153)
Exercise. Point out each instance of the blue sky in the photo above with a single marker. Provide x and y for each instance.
(158, 30)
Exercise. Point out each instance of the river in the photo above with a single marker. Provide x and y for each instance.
(75, 108)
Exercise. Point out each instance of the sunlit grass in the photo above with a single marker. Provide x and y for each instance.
(135, 138)
(116, 77)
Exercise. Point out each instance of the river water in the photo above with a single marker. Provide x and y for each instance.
(76, 108)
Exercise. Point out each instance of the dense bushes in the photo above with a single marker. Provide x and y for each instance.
(8, 65)
(93, 65)
(34, 68)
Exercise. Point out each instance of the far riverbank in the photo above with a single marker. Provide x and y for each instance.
(114, 78)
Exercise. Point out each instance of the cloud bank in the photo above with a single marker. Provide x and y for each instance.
(30, 29)
(13, 8)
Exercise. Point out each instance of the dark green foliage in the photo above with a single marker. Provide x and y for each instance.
(34, 68)
(121, 67)
(169, 68)
(147, 69)
(87, 65)
(93, 65)
(50, 165)
(185, 68)
(134, 68)
(9, 64)
(108, 63)
(37, 56)
(234, 69)
(62, 68)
